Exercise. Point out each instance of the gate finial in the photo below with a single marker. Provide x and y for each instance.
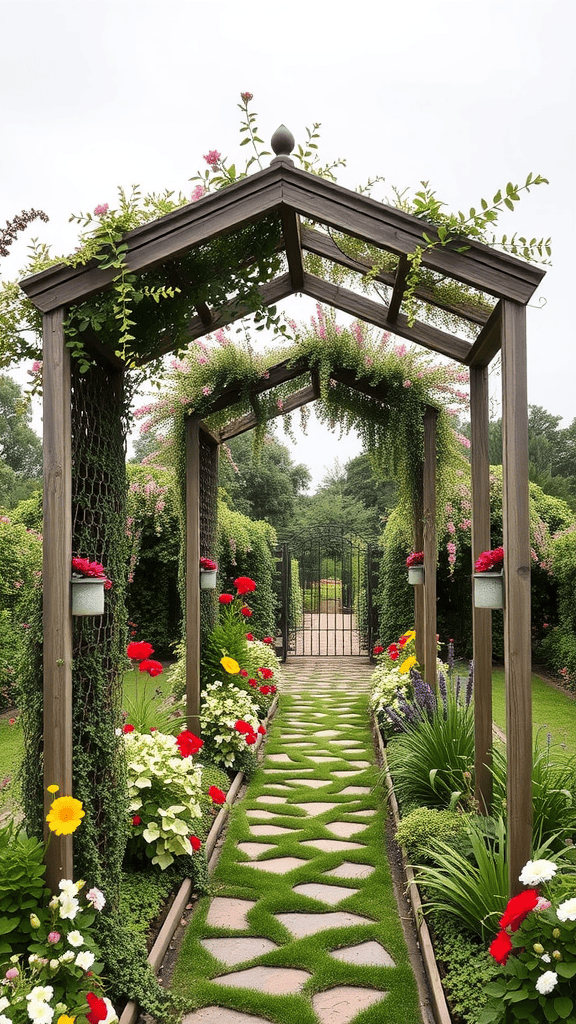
(282, 143)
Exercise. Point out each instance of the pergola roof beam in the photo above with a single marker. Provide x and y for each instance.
(399, 289)
(488, 342)
(293, 246)
(287, 370)
(250, 420)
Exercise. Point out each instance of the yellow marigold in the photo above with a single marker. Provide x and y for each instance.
(65, 815)
(230, 666)
(407, 665)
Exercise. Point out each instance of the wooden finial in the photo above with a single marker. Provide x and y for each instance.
(283, 143)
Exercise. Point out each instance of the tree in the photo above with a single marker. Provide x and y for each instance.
(263, 484)
(20, 446)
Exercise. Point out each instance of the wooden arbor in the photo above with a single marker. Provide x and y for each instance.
(308, 209)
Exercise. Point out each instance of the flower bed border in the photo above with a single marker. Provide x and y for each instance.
(437, 994)
(156, 955)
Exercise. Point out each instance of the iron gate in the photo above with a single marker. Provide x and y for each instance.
(327, 580)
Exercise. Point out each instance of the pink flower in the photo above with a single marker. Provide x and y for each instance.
(246, 96)
(96, 898)
(407, 384)
(212, 157)
(197, 193)
(100, 211)
(11, 973)
(53, 938)
(207, 389)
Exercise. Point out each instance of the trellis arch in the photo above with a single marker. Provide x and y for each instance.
(307, 208)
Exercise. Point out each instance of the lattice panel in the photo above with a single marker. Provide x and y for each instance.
(208, 494)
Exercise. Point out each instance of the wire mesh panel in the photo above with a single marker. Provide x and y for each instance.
(208, 499)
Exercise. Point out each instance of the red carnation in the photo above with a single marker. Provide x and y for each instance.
(216, 795)
(127, 727)
(500, 947)
(136, 820)
(378, 649)
(261, 730)
(244, 585)
(249, 636)
(518, 909)
(225, 599)
(153, 668)
(266, 673)
(194, 843)
(188, 743)
(253, 683)
(246, 611)
(98, 1009)
(138, 650)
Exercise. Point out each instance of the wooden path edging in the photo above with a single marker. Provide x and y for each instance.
(156, 955)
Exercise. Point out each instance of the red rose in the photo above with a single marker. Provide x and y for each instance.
(127, 727)
(249, 636)
(216, 795)
(138, 650)
(194, 842)
(518, 908)
(261, 730)
(153, 668)
(136, 820)
(266, 673)
(244, 585)
(500, 947)
(378, 649)
(188, 743)
(225, 599)
(98, 1009)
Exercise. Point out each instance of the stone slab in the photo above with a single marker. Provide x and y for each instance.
(270, 830)
(350, 869)
(265, 799)
(229, 913)
(329, 732)
(277, 866)
(360, 764)
(318, 807)
(238, 949)
(365, 954)
(221, 1015)
(320, 758)
(254, 849)
(301, 925)
(333, 845)
(274, 981)
(356, 791)
(312, 783)
(279, 758)
(330, 894)
(345, 829)
(256, 813)
(344, 775)
(341, 1004)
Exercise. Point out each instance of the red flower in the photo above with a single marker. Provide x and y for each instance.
(253, 683)
(246, 611)
(265, 690)
(402, 641)
(188, 743)
(489, 560)
(416, 558)
(127, 727)
(518, 908)
(378, 649)
(267, 640)
(244, 585)
(243, 673)
(208, 563)
(500, 947)
(138, 650)
(153, 668)
(251, 738)
(266, 673)
(153, 728)
(272, 689)
(242, 726)
(216, 795)
(225, 599)
(87, 568)
(261, 730)
(11, 721)
(98, 1009)
(136, 820)
(194, 842)
(393, 652)
(249, 636)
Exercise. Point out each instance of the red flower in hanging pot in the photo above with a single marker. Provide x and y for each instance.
(208, 564)
(244, 585)
(416, 558)
(490, 561)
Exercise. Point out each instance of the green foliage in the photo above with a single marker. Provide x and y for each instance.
(558, 647)
(128, 973)
(426, 825)
(22, 888)
(147, 710)
(466, 966)
(261, 484)
(246, 548)
(20, 577)
(20, 446)
(223, 704)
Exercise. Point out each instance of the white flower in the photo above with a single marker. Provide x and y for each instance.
(546, 982)
(96, 898)
(54, 903)
(68, 907)
(537, 871)
(4, 1003)
(85, 960)
(4, 1019)
(567, 910)
(68, 886)
(42, 992)
(111, 1015)
(67, 957)
(75, 939)
(39, 1011)
(546, 958)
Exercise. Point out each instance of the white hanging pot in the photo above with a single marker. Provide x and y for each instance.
(416, 575)
(489, 589)
(208, 579)
(87, 595)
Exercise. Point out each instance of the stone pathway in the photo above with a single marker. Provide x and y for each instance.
(317, 737)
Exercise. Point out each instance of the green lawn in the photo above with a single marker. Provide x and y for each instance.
(553, 711)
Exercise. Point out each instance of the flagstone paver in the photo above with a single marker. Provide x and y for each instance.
(367, 954)
(341, 1004)
(229, 913)
(331, 894)
(239, 949)
(278, 866)
(302, 925)
(269, 830)
(276, 981)
(333, 845)
(317, 807)
(221, 1015)
(345, 829)
(254, 849)
(312, 783)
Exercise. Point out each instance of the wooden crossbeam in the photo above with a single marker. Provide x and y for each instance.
(488, 342)
(250, 420)
(292, 243)
(205, 313)
(348, 377)
(374, 313)
(402, 271)
(282, 372)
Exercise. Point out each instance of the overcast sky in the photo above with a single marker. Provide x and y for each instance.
(466, 95)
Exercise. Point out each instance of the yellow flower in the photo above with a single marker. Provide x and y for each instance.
(53, 789)
(410, 635)
(65, 815)
(65, 1019)
(230, 666)
(407, 665)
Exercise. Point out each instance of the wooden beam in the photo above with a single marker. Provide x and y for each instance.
(282, 372)
(250, 420)
(487, 344)
(398, 290)
(57, 567)
(517, 633)
(430, 552)
(418, 542)
(377, 391)
(193, 574)
(293, 246)
(481, 617)
(322, 245)
(377, 314)
(205, 313)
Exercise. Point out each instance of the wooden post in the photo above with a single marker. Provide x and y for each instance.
(481, 617)
(418, 533)
(57, 568)
(192, 574)
(430, 552)
(517, 633)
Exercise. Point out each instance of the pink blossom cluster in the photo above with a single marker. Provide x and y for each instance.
(212, 157)
(101, 211)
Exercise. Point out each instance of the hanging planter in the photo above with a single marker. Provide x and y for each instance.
(415, 565)
(89, 581)
(208, 570)
(489, 579)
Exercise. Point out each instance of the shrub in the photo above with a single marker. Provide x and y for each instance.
(467, 967)
(20, 575)
(223, 705)
(426, 825)
(22, 888)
